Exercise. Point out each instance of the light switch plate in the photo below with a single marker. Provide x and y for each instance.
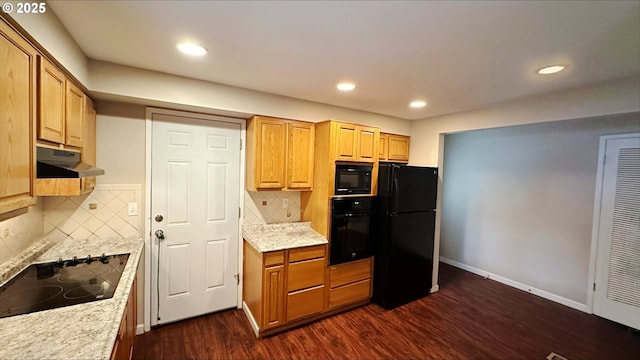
(285, 203)
(132, 209)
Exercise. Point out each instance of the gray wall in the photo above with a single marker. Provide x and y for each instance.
(518, 201)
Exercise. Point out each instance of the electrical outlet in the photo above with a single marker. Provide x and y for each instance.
(132, 209)
(6, 233)
(264, 202)
(93, 206)
(285, 203)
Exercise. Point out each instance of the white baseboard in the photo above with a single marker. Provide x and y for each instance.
(252, 320)
(530, 289)
(434, 288)
(140, 329)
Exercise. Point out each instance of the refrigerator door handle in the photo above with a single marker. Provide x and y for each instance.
(394, 194)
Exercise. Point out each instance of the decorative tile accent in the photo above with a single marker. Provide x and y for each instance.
(272, 212)
(71, 217)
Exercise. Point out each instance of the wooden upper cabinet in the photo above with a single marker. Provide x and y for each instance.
(398, 148)
(356, 143)
(300, 155)
(279, 154)
(51, 91)
(74, 115)
(367, 144)
(394, 148)
(61, 107)
(17, 122)
(75, 186)
(346, 141)
(271, 152)
(383, 147)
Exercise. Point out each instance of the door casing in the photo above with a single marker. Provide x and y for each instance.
(596, 214)
(147, 203)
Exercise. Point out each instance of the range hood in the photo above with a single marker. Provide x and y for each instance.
(62, 164)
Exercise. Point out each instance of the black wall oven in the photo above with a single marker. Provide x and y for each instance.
(351, 229)
(353, 179)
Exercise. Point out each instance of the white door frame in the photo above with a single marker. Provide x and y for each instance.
(147, 203)
(596, 213)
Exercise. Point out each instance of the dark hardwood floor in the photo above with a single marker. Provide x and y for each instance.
(469, 318)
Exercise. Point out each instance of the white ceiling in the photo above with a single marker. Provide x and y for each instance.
(457, 55)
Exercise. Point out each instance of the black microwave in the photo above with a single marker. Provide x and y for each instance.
(353, 179)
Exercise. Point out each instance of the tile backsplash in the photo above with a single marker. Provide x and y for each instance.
(102, 213)
(272, 211)
(20, 232)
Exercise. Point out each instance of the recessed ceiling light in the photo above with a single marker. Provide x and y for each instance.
(192, 49)
(548, 70)
(418, 104)
(345, 86)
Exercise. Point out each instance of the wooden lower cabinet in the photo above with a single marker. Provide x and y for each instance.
(350, 282)
(349, 293)
(286, 288)
(303, 303)
(273, 296)
(123, 348)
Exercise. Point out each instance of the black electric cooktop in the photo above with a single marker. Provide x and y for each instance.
(61, 283)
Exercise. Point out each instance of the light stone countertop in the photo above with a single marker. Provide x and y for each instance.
(83, 331)
(272, 237)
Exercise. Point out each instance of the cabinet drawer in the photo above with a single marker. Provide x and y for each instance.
(350, 272)
(305, 302)
(350, 293)
(304, 274)
(274, 258)
(306, 253)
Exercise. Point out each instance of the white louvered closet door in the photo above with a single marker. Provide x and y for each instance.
(617, 295)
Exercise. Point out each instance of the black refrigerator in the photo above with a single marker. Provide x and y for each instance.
(403, 263)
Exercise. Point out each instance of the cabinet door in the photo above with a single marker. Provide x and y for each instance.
(300, 155)
(367, 144)
(383, 149)
(51, 88)
(273, 297)
(74, 115)
(17, 114)
(398, 148)
(346, 135)
(271, 149)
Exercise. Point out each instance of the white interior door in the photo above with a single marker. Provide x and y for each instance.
(195, 186)
(617, 290)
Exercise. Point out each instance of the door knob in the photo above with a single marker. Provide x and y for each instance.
(159, 218)
(160, 234)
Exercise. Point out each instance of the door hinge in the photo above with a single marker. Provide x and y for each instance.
(594, 286)
(240, 144)
(237, 277)
(239, 213)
